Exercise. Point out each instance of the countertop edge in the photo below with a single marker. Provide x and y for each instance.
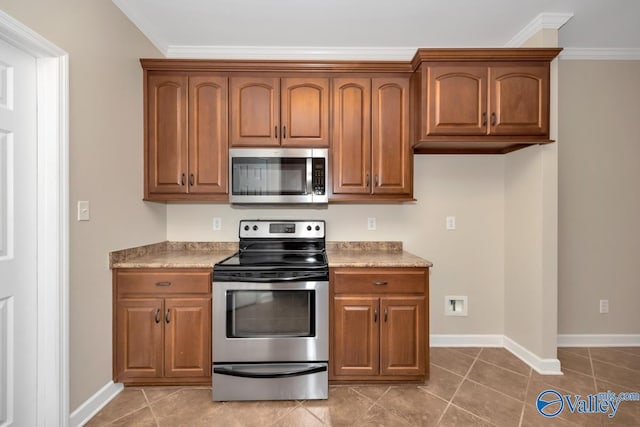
(340, 254)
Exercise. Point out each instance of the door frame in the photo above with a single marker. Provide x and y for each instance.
(52, 69)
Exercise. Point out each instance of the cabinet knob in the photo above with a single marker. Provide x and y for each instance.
(484, 118)
(494, 119)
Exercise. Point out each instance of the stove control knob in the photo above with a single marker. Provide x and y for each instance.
(317, 228)
(246, 228)
(308, 228)
(255, 228)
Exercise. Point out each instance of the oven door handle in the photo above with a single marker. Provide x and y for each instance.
(276, 373)
(311, 276)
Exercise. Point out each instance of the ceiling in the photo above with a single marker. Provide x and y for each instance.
(199, 28)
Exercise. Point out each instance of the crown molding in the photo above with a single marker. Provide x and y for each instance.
(601, 54)
(544, 21)
(292, 53)
(143, 25)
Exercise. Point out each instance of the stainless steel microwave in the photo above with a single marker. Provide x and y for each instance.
(278, 175)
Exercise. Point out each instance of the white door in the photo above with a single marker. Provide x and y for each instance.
(18, 238)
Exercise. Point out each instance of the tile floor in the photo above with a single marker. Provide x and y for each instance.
(467, 387)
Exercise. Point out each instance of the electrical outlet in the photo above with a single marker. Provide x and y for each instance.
(371, 223)
(604, 306)
(451, 222)
(217, 223)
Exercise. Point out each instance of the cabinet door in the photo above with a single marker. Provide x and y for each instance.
(356, 336)
(351, 149)
(391, 151)
(305, 112)
(138, 338)
(255, 111)
(403, 335)
(456, 100)
(167, 145)
(187, 337)
(519, 99)
(208, 134)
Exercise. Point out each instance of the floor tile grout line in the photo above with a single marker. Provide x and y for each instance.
(471, 413)
(526, 393)
(617, 366)
(448, 370)
(153, 414)
(374, 401)
(127, 413)
(502, 367)
(312, 414)
(297, 405)
(458, 388)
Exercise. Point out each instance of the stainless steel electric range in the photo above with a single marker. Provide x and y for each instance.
(271, 314)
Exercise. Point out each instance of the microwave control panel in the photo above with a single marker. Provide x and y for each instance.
(318, 175)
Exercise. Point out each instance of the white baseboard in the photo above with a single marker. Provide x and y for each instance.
(94, 404)
(599, 340)
(466, 340)
(542, 366)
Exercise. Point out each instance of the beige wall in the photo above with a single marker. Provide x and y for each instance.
(468, 261)
(599, 156)
(105, 165)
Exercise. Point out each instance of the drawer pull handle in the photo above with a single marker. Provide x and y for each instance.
(375, 315)
(381, 283)
(385, 314)
(157, 315)
(167, 317)
(163, 283)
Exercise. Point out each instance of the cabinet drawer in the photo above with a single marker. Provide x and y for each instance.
(145, 282)
(380, 281)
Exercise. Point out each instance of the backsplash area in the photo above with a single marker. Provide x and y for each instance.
(467, 261)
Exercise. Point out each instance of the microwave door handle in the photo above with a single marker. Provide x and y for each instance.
(309, 175)
(287, 371)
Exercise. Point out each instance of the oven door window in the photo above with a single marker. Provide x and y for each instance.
(269, 176)
(276, 313)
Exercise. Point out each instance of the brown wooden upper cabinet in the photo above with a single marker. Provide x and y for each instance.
(481, 100)
(272, 111)
(186, 147)
(371, 151)
(485, 99)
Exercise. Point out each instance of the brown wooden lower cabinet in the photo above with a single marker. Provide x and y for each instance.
(379, 324)
(162, 326)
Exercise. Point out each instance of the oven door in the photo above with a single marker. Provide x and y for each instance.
(270, 322)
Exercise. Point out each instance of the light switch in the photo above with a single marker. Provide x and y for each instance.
(83, 210)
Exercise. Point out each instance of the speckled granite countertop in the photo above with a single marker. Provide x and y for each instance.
(173, 255)
(206, 254)
(372, 254)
